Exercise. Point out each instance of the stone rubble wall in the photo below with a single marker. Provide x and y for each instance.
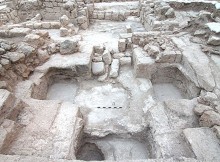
(19, 11)
(17, 61)
(115, 16)
(7, 15)
(196, 5)
(100, 1)
(42, 25)
(154, 14)
(161, 16)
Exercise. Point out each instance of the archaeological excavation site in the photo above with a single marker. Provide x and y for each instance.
(110, 80)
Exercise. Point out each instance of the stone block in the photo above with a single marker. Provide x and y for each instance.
(98, 68)
(204, 143)
(114, 69)
(122, 45)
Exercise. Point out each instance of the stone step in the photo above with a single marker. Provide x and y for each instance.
(52, 130)
(142, 62)
(7, 101)
(167, 122)
(204, 143)
(67, 127)
(8, 132)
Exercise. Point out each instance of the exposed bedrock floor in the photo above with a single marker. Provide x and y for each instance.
(116, 148)
(170, 83)
(167, 91)
(62, 90)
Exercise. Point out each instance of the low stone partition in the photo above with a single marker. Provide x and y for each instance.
(43, 25)
(100, 1)
(115, 16)
(113, 11)
(14, 32)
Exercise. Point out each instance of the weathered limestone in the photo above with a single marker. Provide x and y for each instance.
(98, 68)
(118, 55)
(64, 21)
(142, 62)
(213, 27)
(191, 54)
(68, 47)
(64, 32)
(138, 82)
(79, 63)
(200, 109)
(34, 40)
(209, 118)
(122, 45)
(99, 49)
(152, 50)
(6, 104)
(200, 139)
(214, 40)
(170, 13)
(27, 49)
(169, 56)
(217, 130)
(15, 56)
(128, 28)
(125, 61)
(67, 28)
(165, 129)
(2, 51)
(114, 69)
(9, 131)
(50, 135)
(111, 11)
(19, 32)
(107, 58)
(83, 22)
(43, 55)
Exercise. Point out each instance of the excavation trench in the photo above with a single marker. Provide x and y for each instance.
(105, 106)
(112, 147)
(57, 84)
(170, 83)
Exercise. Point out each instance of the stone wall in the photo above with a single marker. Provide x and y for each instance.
(161, 16)
(50, 10)
(115, 16)
(113, 11)
(100, 1)
(53, 9)
(8, 15)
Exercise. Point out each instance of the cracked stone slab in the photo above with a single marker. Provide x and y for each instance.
(204, 143)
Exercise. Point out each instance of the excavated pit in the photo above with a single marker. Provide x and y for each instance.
(64, 90)
(57, 84)
(90, 152)
(113, 147)
(170, 83)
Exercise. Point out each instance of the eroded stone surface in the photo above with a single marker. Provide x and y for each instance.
(107, 80)
(200, 139)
